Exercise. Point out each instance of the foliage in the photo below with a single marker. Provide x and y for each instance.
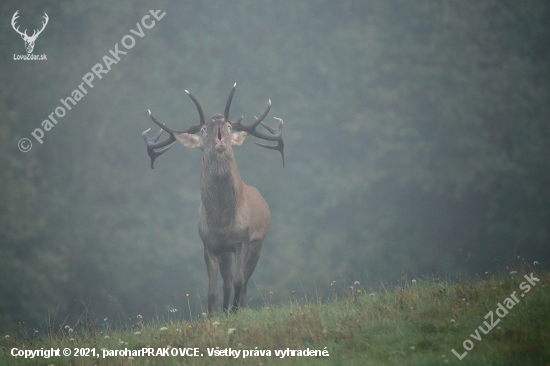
(415, 323)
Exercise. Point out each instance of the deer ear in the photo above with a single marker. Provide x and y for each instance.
(189, 140)
(238, 138)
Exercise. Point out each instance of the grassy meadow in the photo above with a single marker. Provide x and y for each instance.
(417, 322)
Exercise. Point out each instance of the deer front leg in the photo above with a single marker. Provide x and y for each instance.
(225, 269)
(246, 259)
(212, 269)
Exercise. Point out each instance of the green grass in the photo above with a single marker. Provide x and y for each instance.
(416, 323)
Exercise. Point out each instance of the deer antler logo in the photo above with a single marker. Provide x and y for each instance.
(29, 41)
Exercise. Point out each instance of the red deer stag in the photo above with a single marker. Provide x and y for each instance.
(233, 217)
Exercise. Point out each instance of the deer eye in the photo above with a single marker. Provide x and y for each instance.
(203, 129)
(229, 126)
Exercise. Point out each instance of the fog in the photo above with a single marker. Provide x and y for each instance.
(417, 137)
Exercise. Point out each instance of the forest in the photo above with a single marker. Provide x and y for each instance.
(417, 140)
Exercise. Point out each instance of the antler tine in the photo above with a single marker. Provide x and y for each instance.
(152, 141)
(46, 18)
(251, 127)
(278, 135)
(279, 147)
(192, 129)
(237, 124)
(13, 20)
(228, 104)
(153, 145)
(276, 132)
(199, 108)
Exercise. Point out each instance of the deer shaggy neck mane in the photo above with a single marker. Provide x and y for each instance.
(221, 187)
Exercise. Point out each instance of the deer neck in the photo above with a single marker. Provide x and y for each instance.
(221, 191)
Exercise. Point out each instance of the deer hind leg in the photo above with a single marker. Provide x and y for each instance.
(212, 269)
(225, 269)
(246, 260)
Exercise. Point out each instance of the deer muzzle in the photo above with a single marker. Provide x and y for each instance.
(220, 144)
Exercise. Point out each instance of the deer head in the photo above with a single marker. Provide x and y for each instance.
(29, 40)
(219, 124)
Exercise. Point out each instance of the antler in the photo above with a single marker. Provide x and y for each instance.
(13, 19)
(276, 134)
(35, 34)
(165, 145)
